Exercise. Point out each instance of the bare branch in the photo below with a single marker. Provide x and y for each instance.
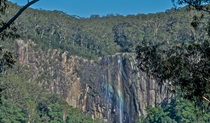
(205, 99)
(17, 15)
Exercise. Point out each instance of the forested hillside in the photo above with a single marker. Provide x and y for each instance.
(98, 36)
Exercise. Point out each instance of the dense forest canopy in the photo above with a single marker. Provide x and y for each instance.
(98, 36)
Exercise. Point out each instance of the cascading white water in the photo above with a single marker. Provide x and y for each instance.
(107, 79)
(107, 93)
(119, 90)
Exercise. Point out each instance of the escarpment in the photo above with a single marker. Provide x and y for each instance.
(110, 88)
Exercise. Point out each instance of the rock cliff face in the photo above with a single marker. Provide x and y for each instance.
(110, 88)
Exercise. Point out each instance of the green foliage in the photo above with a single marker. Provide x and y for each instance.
(10, 112)
(98, 36)
(177, 111)
(195, 3)
(24, 101)
(185, 65)
(10, 32)
(6, 57)
(158, 115)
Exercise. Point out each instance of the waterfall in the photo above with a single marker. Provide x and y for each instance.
(107, 79)
(120, 89)
(112, 104)
(107, 94)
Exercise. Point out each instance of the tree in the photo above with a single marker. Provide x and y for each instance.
(7, 31)
(179, 110)
(158, 115)
(6, 25)
(198, 4)
(185, 64)
(25, 101)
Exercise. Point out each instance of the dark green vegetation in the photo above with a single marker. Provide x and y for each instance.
(6, 57)
(24, 101)
(97, 36)
(184, 63)
(179, 110)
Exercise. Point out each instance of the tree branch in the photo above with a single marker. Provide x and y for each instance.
(198, 7)
(206, 99)
(17, 15)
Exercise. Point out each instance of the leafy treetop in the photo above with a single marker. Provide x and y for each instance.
(186, 63)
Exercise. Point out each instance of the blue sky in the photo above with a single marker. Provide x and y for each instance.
(85, 8)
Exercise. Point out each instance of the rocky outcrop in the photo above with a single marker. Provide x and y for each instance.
(110, 88)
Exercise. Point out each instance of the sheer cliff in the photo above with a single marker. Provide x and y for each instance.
(110, 88)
